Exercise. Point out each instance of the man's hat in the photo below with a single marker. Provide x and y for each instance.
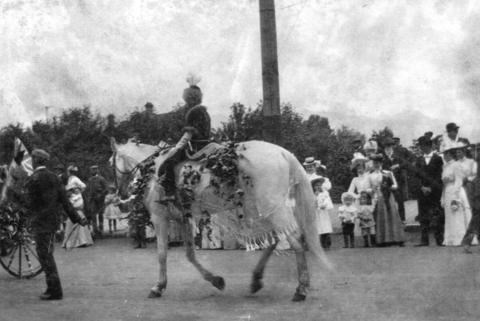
(396, 139)
(377, 158)
(94, 167)
(40, 153)
(452, 127)
(424, 141)
(388, 142)
(59, 166)
(357, 139)
(428, 134)
(149, 105)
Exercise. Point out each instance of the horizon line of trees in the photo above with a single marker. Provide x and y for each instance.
(79, 136)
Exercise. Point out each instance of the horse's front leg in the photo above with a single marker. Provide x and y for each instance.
(217, 281)
(257, 275)
(161, 231)
(302, 268)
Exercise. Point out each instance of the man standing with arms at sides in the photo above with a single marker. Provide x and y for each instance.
(428, 169)
(44, 195)
(95, 194)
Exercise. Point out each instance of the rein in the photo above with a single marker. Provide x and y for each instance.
(137, 167)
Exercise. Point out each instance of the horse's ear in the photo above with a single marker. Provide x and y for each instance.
(113, 144)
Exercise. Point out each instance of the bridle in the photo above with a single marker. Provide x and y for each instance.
(137, 167)
(128, 173)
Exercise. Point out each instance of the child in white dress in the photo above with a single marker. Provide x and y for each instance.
(347, 214)
(324, 205)
(112, 211)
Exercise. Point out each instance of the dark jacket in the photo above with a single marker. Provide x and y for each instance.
(197, 122)
(399, 159)
(44, 196)
(96, 188)
(430, 176)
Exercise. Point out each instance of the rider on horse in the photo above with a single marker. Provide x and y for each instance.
(196, 135)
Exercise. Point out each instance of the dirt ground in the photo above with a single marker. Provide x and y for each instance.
(111, 281)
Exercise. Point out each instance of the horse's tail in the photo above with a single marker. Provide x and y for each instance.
(305, 209)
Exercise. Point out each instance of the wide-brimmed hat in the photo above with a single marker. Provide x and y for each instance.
(370, 145)
(358, 160)
(41, 154)
(346, 195)
(451, 127)
(72, 168)
(316, 180)
(311, 161)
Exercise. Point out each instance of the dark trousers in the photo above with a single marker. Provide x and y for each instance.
(325, 241)
(168, 169)
(96, 208)
(45, 244)
(399, 198)
(348, 237)
(431, 217)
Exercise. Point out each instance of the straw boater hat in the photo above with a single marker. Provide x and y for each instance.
(72, 168)
(348, 195)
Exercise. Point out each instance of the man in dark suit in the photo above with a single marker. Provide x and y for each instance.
(95, 195)
(428, 169)
(397, 163)
(44, 195)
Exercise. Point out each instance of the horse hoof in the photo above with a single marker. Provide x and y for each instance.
(218, 282)
(256, 286)
(297, 297)
(154, 294)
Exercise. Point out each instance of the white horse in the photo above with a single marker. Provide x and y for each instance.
(274, 190)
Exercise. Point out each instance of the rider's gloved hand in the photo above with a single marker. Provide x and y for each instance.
(83, 221)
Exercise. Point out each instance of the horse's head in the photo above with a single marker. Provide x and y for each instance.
(125, 159)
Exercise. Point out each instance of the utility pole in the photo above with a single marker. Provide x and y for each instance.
(46, 113)
(271, 88)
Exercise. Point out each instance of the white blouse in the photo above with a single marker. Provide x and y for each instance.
(469, 168)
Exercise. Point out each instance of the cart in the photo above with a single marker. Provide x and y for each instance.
(18, 254)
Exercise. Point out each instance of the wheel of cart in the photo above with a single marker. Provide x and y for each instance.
(17, 248)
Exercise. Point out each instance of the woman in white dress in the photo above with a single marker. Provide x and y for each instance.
(360, 183)
(75, 234)
(454, 200)
(469, 170)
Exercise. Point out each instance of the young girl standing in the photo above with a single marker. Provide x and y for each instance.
(112, 211)
(324, 205)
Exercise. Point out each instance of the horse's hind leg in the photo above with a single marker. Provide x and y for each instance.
(161, 231)
(217, 281)
(302, 269)
(257, 276)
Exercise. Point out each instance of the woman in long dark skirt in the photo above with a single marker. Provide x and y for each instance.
(389, 227)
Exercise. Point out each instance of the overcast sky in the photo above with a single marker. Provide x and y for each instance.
(411, 65)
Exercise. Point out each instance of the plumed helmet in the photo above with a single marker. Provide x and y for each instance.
(193, 94)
